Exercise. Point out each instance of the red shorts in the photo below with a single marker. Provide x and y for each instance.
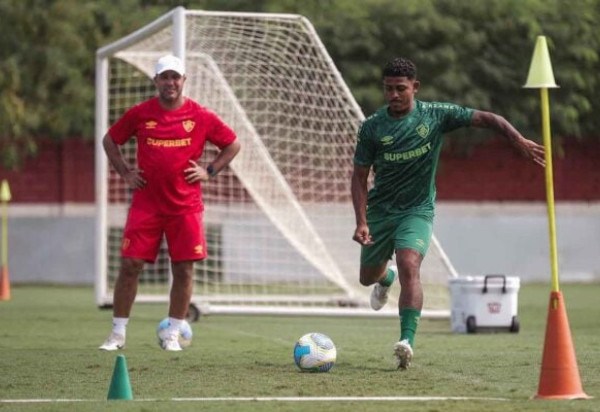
(144, 230)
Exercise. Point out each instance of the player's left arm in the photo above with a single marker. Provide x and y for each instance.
(526, 147)
(196, 173)
(224, 157)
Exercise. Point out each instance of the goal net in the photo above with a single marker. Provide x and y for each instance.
(279, 219)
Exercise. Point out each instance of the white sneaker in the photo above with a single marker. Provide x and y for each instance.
(379, 294)
(171, 344)
(404, 354)
(114, 342)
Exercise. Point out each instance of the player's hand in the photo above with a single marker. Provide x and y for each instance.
(134, 178)
(533, 151)
(195, 173)
(362, 236)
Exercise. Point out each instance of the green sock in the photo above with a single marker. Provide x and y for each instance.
(388, 279)
(409, 320)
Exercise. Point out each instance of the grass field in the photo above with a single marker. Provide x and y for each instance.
(49, 338)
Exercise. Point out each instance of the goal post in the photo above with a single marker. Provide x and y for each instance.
(279, 219)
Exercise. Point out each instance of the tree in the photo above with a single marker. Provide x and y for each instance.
(475, 53)
(47, 68)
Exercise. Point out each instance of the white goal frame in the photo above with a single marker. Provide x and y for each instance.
(266, 185)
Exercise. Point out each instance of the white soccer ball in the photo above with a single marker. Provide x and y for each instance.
(315, 352)
(185, 333)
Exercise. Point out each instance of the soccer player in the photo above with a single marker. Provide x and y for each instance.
(401, 142)
(171, 132)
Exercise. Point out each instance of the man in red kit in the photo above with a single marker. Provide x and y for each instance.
(171, 132)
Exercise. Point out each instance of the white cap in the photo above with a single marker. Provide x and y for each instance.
(169, 62)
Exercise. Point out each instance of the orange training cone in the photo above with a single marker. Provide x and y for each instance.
(4, 284)
(559, 378)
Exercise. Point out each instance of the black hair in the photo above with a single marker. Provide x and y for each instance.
(400, 67)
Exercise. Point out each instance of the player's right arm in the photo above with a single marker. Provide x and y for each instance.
(364, 156)
(359, 189)
(132, 176)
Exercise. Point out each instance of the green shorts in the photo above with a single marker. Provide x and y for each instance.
(412, 231)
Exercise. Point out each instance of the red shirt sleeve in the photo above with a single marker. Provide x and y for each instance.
(221, 135)
(125, 127)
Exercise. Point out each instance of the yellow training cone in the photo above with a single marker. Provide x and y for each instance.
(5, 192)
(540, 70)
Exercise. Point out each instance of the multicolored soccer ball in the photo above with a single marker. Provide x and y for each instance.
(315, 352)
(185, 332)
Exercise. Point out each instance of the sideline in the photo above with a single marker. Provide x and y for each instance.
(280, 399)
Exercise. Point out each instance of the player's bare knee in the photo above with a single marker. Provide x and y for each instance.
(409, 275)
(408, 262)
(131, 268)
(183, 270)
(365, 281)
(366, 277)
(370, 275)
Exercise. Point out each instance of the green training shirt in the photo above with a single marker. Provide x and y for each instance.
(404, 154)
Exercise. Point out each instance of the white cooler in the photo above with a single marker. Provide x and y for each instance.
(484, 303)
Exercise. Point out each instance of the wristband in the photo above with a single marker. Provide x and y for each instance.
(211, 171)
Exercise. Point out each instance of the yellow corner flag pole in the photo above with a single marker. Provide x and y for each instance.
(4, 280)
(541, 77)
(559, 378)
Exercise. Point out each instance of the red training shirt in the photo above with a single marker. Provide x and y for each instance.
(166, 141)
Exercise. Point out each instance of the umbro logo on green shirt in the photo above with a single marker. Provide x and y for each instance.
(387, 140)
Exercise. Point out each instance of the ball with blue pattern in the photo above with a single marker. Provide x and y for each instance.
(315, 352)
(185, 332)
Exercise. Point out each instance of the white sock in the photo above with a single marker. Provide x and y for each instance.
(120, 325)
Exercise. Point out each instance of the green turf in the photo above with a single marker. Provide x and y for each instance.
(49, 338)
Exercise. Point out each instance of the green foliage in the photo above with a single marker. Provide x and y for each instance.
(475, 53)
(47, 68)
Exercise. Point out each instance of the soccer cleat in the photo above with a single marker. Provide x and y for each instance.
(114, 342)
(379, 294)
(404, 354)
(171, 344)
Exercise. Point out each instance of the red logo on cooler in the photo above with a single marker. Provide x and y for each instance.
(494, 307)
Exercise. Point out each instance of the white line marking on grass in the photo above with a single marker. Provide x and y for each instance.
(282, 399)
(342, 398)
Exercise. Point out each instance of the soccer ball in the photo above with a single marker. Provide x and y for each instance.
(315, 352)
(185, 332)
